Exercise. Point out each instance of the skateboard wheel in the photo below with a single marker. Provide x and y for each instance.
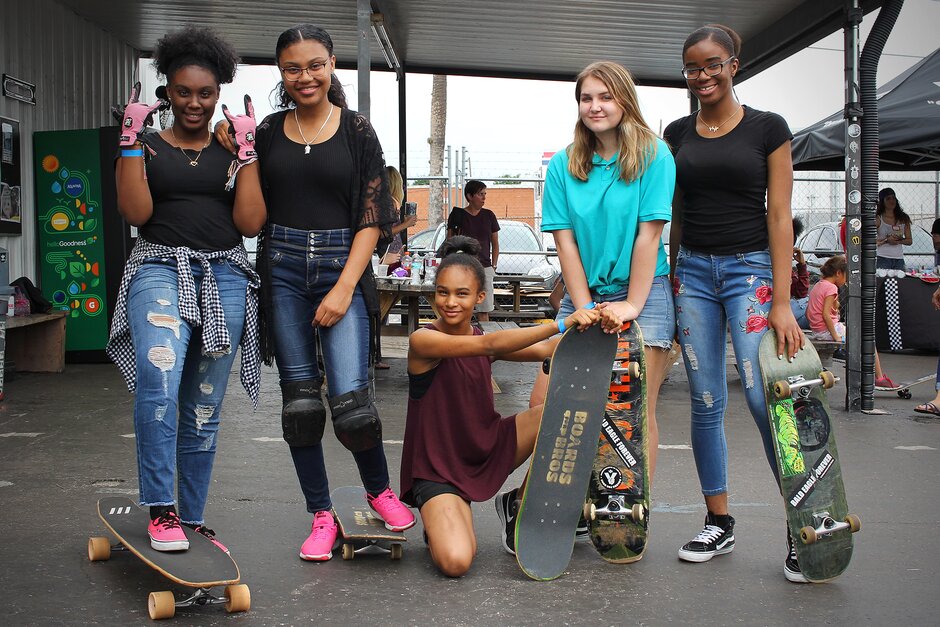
(637, 513)
(349, 551)
(161, 605)
(589, 511)
(397, 551)
(782, 389)
(808, 535)
(99, 549)
(238, 598)
(905, 394)
(855, 523)
(634, 370)
(828, 379)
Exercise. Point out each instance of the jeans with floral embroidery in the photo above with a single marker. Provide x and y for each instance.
(715, 293)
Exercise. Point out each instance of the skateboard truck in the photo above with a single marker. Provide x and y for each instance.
(826, 525)
(800, 387)
(616, 509)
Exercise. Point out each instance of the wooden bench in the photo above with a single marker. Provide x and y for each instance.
(36, 342)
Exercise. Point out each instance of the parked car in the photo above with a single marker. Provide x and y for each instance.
(820, 242)
(520, 249)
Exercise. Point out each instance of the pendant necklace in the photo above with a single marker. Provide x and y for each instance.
(322, 126)
(193, 162)
(714, 129)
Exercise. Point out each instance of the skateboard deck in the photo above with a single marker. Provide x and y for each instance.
(359, 527)
(202, 566)
(808, 460)
(618, 497)
(904, 389)
(579, 375)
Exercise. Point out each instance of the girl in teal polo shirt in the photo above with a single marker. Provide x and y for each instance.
(607, 198)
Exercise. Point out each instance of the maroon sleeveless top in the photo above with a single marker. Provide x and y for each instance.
(453, 433)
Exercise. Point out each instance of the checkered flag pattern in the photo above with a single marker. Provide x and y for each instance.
(893, 314)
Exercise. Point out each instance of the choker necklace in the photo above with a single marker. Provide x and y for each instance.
(301, 129)
(192, 162)
(714, 129)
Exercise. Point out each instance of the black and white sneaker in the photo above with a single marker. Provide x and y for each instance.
(711, 541)
(791, 568)
(582, 533)
(507, 506)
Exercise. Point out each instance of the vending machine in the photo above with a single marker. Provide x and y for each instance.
(82, 240)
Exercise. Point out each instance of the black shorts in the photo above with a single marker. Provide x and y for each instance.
(423, 491)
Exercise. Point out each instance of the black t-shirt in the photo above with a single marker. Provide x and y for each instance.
(724, 181)
(191, 206)
(309, 191)
(480, 227)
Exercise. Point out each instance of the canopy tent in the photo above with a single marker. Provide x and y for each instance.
(908, 126)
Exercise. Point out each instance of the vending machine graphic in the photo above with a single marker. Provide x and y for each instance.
(83, 242)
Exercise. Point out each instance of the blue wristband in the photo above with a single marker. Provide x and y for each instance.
(561, 325)
(590, 305)
(137, 152)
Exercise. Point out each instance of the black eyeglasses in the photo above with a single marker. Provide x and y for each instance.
(294, 73)
(712, 69)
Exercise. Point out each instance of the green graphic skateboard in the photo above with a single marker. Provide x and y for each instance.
(618, 497)
(203, 566)
(560, 469)
(360, 529)
(808, 460)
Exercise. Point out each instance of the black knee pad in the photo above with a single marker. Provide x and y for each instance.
(303, 415)
(356, 421)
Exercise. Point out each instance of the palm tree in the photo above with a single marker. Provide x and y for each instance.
(436, 207)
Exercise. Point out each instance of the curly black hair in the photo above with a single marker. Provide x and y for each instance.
(461, 250)
(196, 45)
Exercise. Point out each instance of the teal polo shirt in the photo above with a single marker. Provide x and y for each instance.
(604, 213)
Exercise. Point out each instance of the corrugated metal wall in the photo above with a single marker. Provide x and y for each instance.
(79, 71)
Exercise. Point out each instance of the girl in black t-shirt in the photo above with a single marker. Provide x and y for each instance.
(733, 265)
(188, 298)
(327, 195)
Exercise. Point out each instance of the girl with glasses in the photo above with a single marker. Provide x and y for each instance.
(733, 263)
(327, 195)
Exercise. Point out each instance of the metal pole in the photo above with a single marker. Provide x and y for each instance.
(853, 210)
(450, 179)
(364, 58)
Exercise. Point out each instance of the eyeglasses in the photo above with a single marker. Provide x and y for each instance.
(294, 73)
(712, 69)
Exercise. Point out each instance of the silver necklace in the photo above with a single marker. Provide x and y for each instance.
(714, 129)
(301, 129)
(192, 162)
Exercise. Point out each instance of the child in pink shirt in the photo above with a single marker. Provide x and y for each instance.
(823, 310)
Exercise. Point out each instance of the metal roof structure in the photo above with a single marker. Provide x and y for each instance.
(541, 39)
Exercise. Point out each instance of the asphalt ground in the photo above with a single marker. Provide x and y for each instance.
(66, 440)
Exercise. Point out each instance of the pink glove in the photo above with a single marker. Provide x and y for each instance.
(137, 115)
(242, 130)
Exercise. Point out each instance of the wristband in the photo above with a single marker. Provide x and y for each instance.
(561, 325)
(590, 305)
(136, 152)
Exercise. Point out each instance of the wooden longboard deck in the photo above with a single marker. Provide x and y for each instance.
(355, 518)
(807, 459)
(620, 476)
(203, 565)
(564, 450)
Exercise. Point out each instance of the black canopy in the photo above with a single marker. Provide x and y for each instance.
(908, 121)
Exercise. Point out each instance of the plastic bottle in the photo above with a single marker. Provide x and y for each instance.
(406, 260)
(11, 306)
(416, 266)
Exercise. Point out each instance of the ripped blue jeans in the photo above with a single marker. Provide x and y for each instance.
(713, 293)
(179, 389)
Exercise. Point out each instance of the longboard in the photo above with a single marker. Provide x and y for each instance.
(359, 527)
(203, 566)
(618, 497)
(579, 376)
(821, 526)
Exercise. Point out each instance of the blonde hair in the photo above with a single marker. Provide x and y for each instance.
(637, 141)
(395, 185)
